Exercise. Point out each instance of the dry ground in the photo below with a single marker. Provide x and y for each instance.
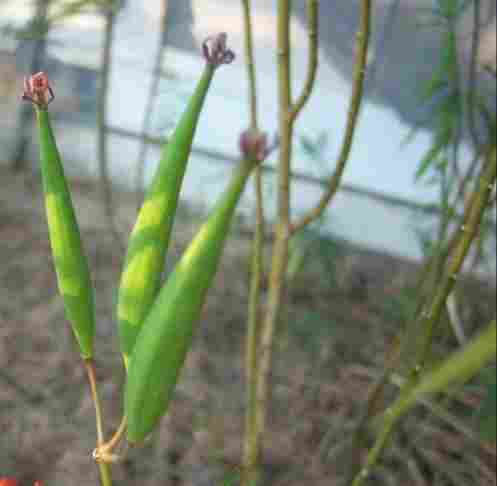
(330, 347)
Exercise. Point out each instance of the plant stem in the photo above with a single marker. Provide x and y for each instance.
(469, 232)
(313, 33)
(428, 320)
(280, 247)
(362, 47)
(375, 396)
(251, 451)
(460, 366)
(472, 81)
(250, 62)
(105, 471)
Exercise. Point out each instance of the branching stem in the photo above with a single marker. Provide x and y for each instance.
(313, 33)
(105, 471)
(251, 446)
(362, 47)
(430, 318)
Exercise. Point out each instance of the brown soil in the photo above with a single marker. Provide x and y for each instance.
(330, 348)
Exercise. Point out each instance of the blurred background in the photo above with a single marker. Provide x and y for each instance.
(376, 207)
(365, 248)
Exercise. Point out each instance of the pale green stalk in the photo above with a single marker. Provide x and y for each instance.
(460, 367)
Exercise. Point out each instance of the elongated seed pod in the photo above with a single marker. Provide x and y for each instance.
(150, 237)
(70, 262)
(149, 241)
(166, 335)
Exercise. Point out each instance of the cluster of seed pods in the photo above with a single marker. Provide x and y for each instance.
(156, 325)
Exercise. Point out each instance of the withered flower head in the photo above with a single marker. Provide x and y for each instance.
(254, 144)
(37, 89)
(216, 51)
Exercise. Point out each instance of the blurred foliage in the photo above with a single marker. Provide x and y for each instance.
(452, 103)
(486, 415)
(59, 11)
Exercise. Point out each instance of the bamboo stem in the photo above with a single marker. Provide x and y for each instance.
(280, 247)
(313, 32)
(468, 234)
(251, 450)
(362, 48)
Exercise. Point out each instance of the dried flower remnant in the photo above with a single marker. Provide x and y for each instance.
(37, 89)
(216, 51)
(255, 144)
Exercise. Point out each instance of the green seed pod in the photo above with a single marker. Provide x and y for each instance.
(70, 261)
(166, 335)
(149, 241)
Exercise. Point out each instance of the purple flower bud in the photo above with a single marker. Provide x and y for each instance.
(254, 144)
(37, 89)
(216, 51)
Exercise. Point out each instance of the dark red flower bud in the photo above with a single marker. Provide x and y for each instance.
(216, 51)
(37, 89)
(255, 144)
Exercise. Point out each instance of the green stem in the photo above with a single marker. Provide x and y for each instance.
(430, 318)
(469, 232)
(362, 46)
(313, 33)
(105, 470)
(280, 249)
(105, 474)
(251, 450)
(459, 367)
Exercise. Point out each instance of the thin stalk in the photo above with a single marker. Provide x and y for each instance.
(251, 451)
(373, 401)
(469, 232)
(472, 81)
(153, 93)
(362, 48)
(427, 274)
(313, 33)
(105, 470)
(250, 63)
(459, 367)
(428, 320)
(280, 247)
(102, 99)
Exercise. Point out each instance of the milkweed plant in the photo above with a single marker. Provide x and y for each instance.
(157, 319)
